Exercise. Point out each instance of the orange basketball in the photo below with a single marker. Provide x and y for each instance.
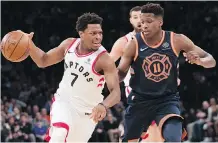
(14, 46)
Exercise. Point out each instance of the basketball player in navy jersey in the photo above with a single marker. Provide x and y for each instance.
(153, 55)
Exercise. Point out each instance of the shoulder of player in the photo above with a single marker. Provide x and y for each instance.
(104, 60)
(121, 41)
(132, 43)
(181, 41)
(67, 43)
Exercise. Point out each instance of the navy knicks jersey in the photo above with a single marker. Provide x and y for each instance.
(155, 68)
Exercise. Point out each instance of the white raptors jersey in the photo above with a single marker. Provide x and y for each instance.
(81, 84)
(128, 76)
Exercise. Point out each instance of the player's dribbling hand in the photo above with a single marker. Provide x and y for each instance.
(192, 57)
(30, 35)
(98, 113)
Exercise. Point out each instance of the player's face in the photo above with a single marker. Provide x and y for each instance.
(135, 20)
(151, 24)
(92, 36)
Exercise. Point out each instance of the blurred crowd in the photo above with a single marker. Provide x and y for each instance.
(26, 90)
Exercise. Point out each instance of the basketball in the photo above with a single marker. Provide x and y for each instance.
(14, 46)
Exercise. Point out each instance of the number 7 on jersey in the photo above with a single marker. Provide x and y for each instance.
(74, 79)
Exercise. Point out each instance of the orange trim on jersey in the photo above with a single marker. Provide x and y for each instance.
(172, 44)
(136, 49)
(93, 65)
(154, 46)
(74, 40)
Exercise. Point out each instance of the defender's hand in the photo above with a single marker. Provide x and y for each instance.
(98, 113)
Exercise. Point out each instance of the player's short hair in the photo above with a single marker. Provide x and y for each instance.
(87, 18)
(136, 8)
(154, 8)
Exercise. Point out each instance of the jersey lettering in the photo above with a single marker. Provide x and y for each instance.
(76, 65)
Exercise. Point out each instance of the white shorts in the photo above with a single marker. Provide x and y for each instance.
(78, 125)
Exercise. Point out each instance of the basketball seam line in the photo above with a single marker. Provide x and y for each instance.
(27, 49)
(15, 46)
(5, 43)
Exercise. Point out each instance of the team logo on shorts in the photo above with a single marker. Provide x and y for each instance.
(157, 67)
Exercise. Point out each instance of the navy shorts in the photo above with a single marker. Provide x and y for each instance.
(140, 113)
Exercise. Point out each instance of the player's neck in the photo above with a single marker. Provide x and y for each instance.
(154, 40)
(82, 49)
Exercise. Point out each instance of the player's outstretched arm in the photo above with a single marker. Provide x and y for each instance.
(193, 53)
(118, 48)
(129, 55)
(112, 80)
(52, 57)
(106, 64)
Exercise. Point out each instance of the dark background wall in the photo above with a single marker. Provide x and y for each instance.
(52, 22)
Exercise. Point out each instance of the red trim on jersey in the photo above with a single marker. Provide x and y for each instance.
(62, 125)
(145, 136)
(58, 125)
(93, 65)
(127, 89)
(82, 55)
(100, 84)
(47, 137)
(126, 38)
(102, 79)
(74, 40)
(53, 100)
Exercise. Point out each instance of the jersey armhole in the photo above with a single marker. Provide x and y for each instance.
(74, 40)
(93, 65)
(172, 44)
(137, 47)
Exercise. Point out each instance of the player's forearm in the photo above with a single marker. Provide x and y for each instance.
(121, 74)
(208, 61)
(115, 56)
(38, 56)
(113, 98)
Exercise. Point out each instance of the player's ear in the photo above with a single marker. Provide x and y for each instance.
(161, 23)
(130, 20)
(80, 34)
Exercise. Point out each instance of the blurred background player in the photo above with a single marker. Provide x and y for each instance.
(75, 110)
(153, 55)
(119, 46)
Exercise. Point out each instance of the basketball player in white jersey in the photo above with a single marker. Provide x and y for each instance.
(78, 103)
(119, 46)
